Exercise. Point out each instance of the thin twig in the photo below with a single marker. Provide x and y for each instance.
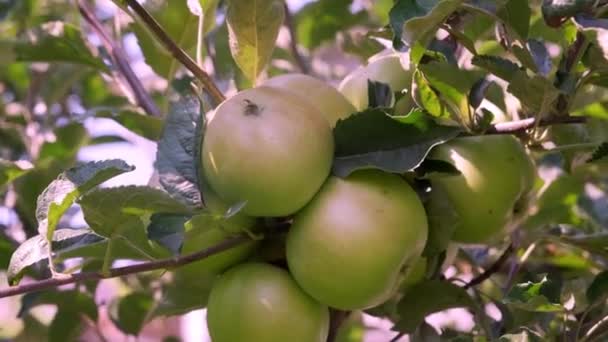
(397, 337)
(525, 124)
(120, 60)
(492, 269)
(337, 317)
(293, 42)
(126, 270)
(176, 51)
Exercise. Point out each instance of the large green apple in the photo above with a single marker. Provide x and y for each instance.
(385, 69)
(327, 99)
(260, 302)
(269, 149)
(496, 173)
(346, 248)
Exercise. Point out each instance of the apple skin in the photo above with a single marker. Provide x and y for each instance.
(260, 302)
(496, 173)
(327, 99)
(385, 69)
(268, 148)
(347, 247)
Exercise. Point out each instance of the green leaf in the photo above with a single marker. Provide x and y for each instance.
(516, 14)
(168, 231)
(9, 171)
(36, 249)
(450, 81)
(253, 28)
(594, 243)
(179, 23)
(557, 204)
(178, 154)
(414, 20)
(426, 298)
(543, 296)
(321, 21)
(59, 196)
(598, 288)
(187, 291)
(500, 67)
(129, 312)
(426, 97)
(68, 141)
(112, 211)
(600, 153)
(373, 139)
(56, 42)
(524, 336)
(144, 125)
(67, 322)
(536, 93)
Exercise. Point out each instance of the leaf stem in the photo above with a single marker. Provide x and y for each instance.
(107, 257)
(176, 51)
(126, 270)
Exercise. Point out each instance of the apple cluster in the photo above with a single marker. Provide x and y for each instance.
(351, 240)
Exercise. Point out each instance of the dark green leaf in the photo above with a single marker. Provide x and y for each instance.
(379, 94)
(57, 42)
(129, 312)
(598, 288)
(373, 139)
(147, 126)
(543, 296)
(71, 300)
(541, 56)
(478, 92)
(168, 231)
(414, 21)
(516, 14)
(500, 67)
(178, 155)
(600, 152)
(188, 291)
(57, 198)
(426, 298)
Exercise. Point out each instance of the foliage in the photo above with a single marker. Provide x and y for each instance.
(474, 66)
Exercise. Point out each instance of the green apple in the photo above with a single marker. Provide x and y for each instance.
(386, 69)
(327, 99)
(495, 174)
(260, 302)
(347, 247)
(269, 149)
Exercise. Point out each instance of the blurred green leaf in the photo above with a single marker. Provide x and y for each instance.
(542, 296)
(253, 28)
(144, 125)
(168, 231)
(129, 312)
(423, 299)
(68, 141)
(10, 171)
(373, 139)
(320, 21)
(516, 14)
(443, 220)
(56, 42)
(598, 288)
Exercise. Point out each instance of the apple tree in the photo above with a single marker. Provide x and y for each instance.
(344, 170)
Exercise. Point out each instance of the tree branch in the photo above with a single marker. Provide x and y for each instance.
(176, 51)
(293, 42)
(126, 270)
(336, 318)
(525, 124)
(120, 60)
(492, 269)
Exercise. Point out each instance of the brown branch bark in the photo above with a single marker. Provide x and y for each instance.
(293, 43)
(120, 60)
(519, 126)
(496, 266)
(176, 51)
(126, 270)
